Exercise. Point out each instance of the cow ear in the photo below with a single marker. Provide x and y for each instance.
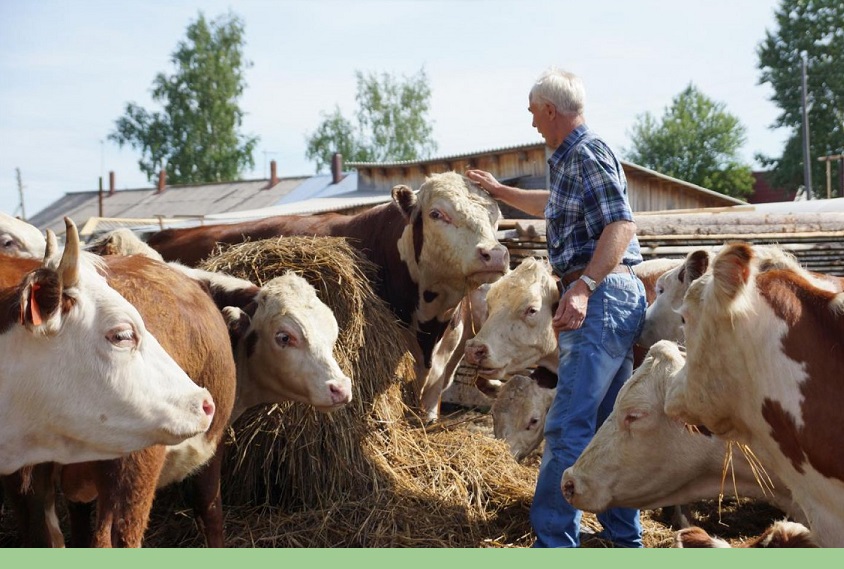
(405, 198)
(40, 301)
(237, 321)
(696, 264)
(731, 269)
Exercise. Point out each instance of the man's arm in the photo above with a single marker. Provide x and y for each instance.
(609, 251)
(529, 201)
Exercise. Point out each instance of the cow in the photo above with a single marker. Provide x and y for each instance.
(448, 353)
(765, 350)
(517, 333)
(282, 338)
(430, 249)
(20, 239)
(122, 241)
(519, 410)
(662, 319)
(616, 469)
(779, 534)
(83, 377)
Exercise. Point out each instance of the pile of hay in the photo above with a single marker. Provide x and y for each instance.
(367, 475)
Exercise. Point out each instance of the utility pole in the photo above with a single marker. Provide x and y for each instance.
(20, 193)
(807, 166)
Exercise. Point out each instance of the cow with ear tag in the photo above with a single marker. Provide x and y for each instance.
(76, 351)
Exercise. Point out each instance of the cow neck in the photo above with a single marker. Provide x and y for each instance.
(544, 377)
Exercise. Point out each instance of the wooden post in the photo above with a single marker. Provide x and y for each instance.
(828, 159)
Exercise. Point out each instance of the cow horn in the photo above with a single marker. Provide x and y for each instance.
(51, 260)
(69, 266)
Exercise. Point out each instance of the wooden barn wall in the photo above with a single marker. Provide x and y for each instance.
(526, 168)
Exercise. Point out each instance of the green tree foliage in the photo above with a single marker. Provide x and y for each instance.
(196, 136)
(697, 141)
(815, 27)
(391, 123)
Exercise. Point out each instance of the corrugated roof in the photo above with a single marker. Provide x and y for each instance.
(175, 201)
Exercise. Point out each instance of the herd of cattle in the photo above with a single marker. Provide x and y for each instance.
(125, 363)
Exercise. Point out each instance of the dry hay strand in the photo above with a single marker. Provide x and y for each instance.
(446, 488)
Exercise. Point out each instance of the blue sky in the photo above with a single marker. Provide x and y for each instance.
(68, 68)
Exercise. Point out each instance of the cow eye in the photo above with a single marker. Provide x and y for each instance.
(123, 336)
(660, 290)
(439, 215)
(532, 424)
(283, 339)
(531, 310)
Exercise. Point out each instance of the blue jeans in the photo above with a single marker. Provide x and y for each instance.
(595, 360)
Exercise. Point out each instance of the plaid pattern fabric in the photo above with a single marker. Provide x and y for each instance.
(588, 192)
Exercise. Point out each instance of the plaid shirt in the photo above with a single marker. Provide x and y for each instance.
(588, 192)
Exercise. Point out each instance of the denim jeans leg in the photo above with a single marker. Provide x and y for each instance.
(594, 361)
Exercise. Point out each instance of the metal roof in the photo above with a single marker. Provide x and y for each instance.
(196, 200)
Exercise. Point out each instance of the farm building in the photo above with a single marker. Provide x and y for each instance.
(346, 188)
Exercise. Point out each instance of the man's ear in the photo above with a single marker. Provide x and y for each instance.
(405, 198)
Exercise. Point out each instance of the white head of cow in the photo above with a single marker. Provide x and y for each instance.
(286, 348)
(449, 243)
(20, 239)
(733, 337)
(519, 412)
(639, 455)
(80, 355)
(662, 319)
(517, 333)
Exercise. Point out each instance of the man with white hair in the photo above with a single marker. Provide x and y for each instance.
(592, 247)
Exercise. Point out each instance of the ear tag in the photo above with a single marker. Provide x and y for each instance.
(33, 305)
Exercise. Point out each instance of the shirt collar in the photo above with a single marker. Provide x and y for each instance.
(570, 141)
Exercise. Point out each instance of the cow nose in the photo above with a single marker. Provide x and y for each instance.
(475, 352)
(568, 489)
(208, 407)
(496, 257)
(340, 394)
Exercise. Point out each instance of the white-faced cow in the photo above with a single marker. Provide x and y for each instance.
(430, 249)
(779, 534)
(82, 376)
(520, 408)
(19, 238)
(765, 352)
(640, 458)
(282, 337)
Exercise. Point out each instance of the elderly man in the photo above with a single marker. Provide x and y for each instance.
(592, 247)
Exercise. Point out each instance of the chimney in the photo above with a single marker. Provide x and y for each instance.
(273, 173)
(162, 180)
(111, 183)
(336, 168)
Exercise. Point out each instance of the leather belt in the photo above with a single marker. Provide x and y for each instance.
(572, 276)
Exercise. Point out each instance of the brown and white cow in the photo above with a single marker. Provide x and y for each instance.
(19, 238)
(765, 350)
(617, 468)
(662, 319)
(282, 337)
(82, 375)
(430, 249)
(780, 534)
